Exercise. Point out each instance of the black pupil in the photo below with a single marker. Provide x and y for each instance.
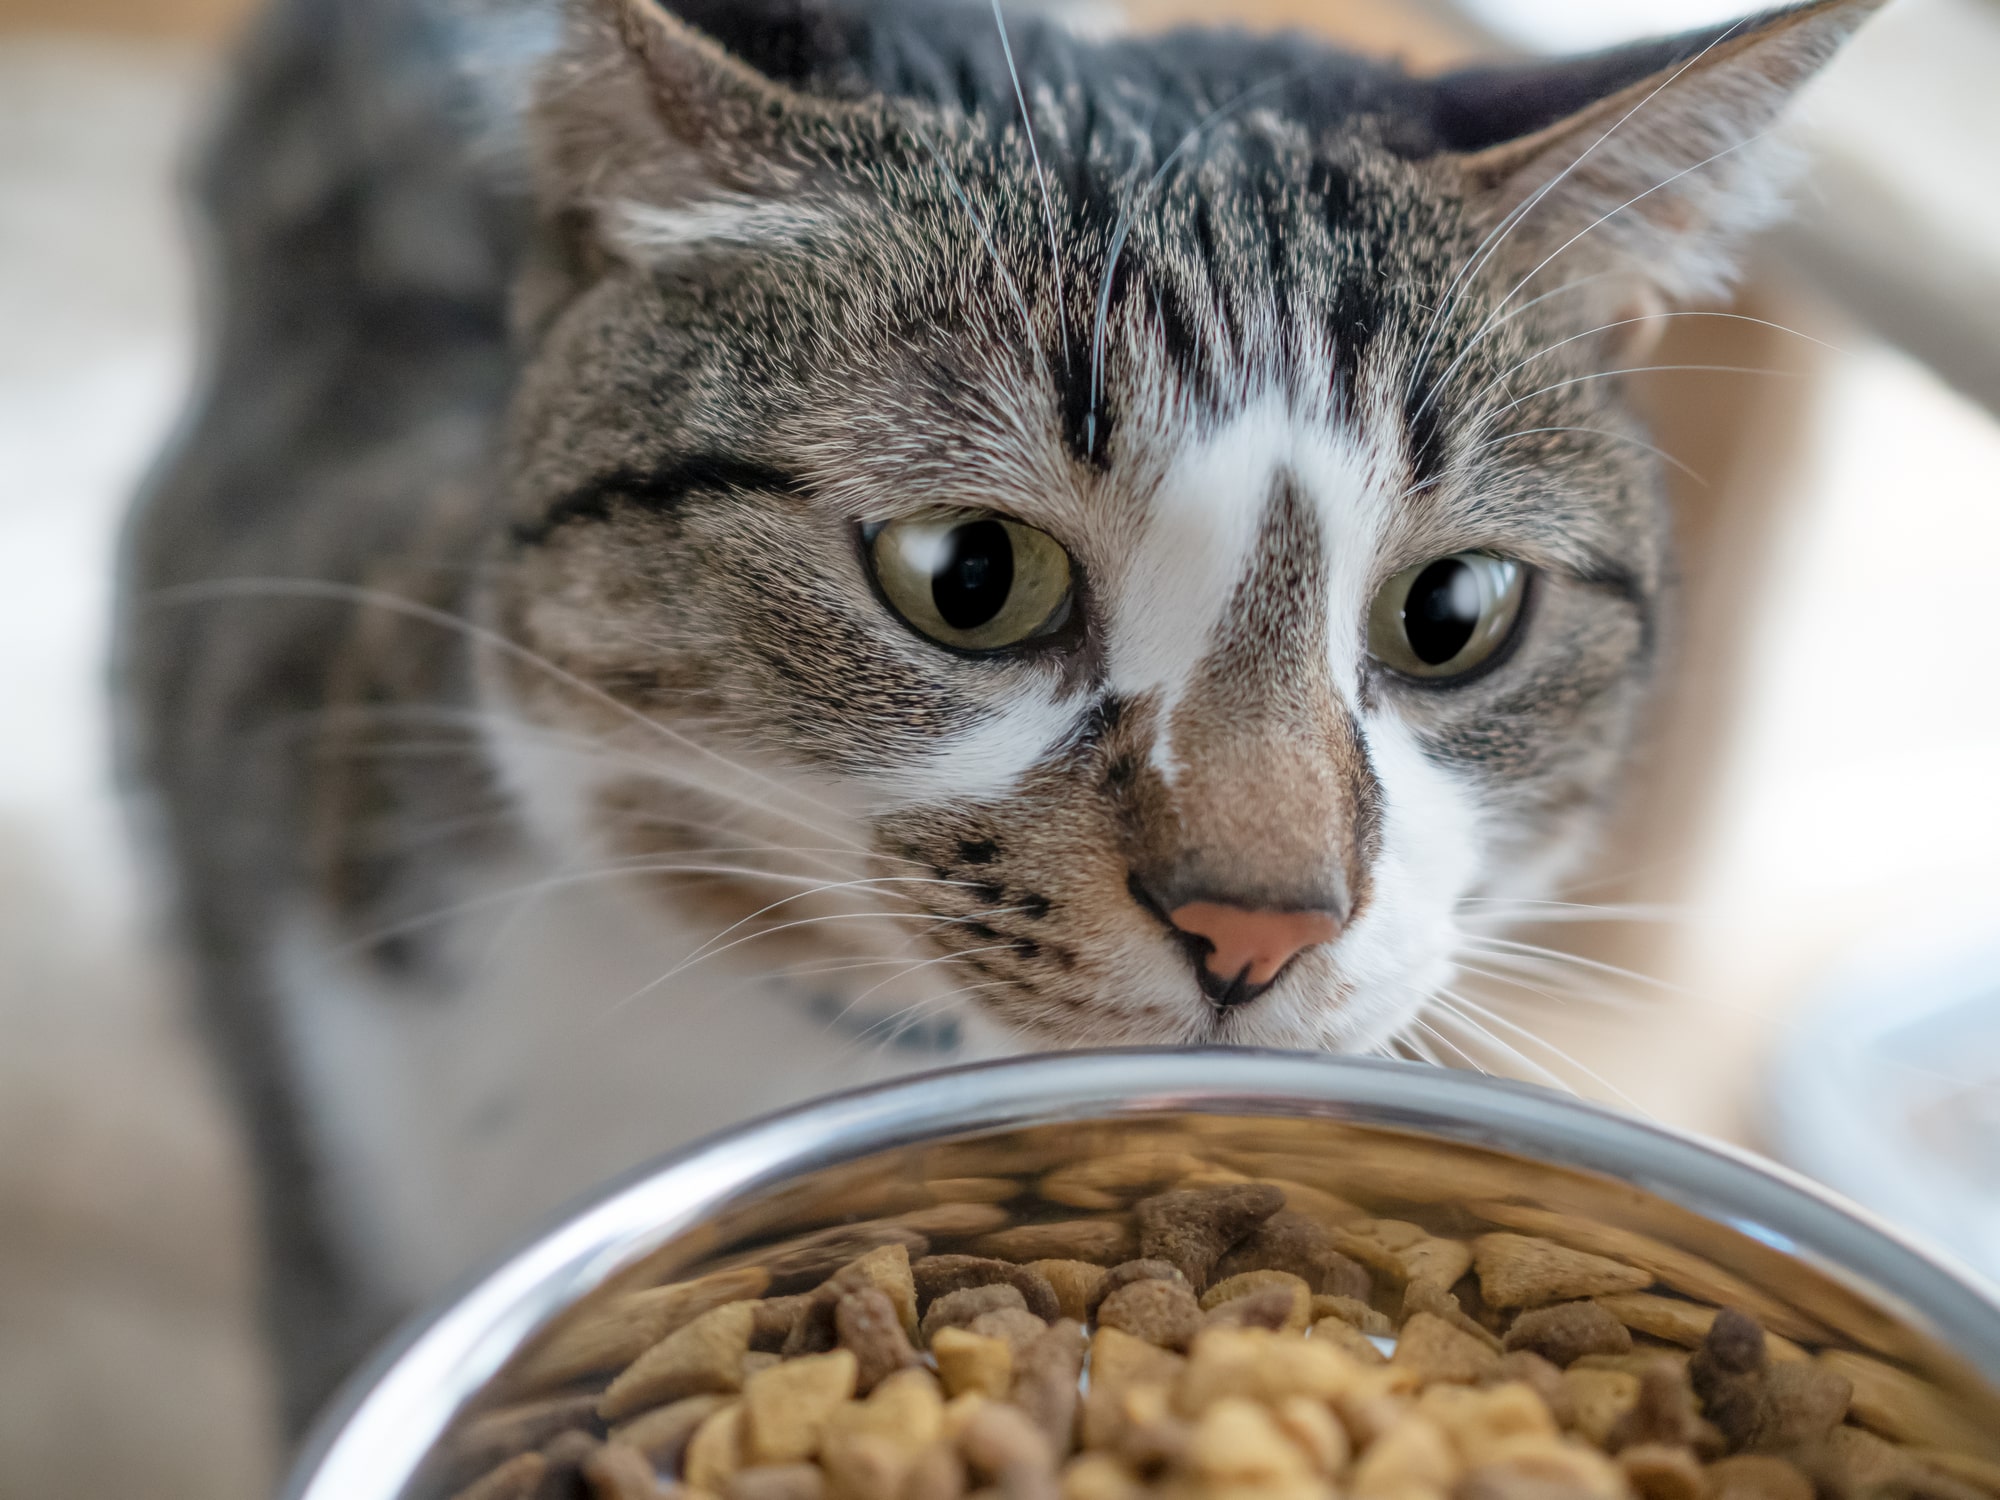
(971, 586)
(1442, 611)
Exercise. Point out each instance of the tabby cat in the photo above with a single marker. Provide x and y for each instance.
(735, 548)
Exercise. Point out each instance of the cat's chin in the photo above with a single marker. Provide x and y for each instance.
(1356, 1023)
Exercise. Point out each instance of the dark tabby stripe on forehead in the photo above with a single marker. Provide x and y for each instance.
(662, 489)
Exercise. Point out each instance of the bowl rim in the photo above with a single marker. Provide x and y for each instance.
(376, 1434)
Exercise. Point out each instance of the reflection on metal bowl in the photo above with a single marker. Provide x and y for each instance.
(958, 1158)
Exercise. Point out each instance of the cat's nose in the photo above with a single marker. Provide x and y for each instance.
(1246, 946)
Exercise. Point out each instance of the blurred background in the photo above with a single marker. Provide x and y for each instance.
(1816, 842)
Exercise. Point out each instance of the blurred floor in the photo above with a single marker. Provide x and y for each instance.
(127, 1364)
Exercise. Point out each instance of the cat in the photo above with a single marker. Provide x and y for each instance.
(733, 549)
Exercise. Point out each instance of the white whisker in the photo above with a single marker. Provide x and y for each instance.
(1480, 333)
(1488, 417)
(1447, 1003)
(1041, 177)
(1499, 948)
(1551, 1049)
(1604, 432)
(1633, 322)
(648, 867)
(306, 588)
(1497, 236)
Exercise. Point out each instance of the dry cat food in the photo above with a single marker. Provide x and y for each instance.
(1224, 1340)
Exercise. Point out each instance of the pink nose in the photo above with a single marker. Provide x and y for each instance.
(1252, 946)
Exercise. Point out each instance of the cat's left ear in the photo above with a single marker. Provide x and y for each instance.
(649, 134)
(1645, 167)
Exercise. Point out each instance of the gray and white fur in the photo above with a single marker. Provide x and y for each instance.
(549, 771)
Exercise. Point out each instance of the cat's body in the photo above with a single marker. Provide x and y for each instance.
(556, 762)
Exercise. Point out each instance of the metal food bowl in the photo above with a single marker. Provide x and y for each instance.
(960, 1154)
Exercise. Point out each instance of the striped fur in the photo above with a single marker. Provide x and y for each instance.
(546, 779)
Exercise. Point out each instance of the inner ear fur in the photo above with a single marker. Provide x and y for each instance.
(1659, 180)
(641, 105)
(641, 111)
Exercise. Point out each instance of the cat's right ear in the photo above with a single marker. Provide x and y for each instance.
(648, 137)
(1643, 168)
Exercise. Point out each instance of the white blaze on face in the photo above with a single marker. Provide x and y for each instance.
(987, 760)
(1200, 532)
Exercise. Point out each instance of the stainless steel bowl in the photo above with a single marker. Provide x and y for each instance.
(1454, 1148)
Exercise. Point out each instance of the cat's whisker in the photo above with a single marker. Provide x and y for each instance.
(709, 948)
(1444, 1041)
(834, 858)
(1102, 312)
(1568, 1060)
(1498, 948)
(1479, 334)
(886, 1032)
(1497, 236)
(916, 968)
(1041, 178)
(1576, 285)
(605, 757)
(808, 970)
(653, 868)
(1565, 991)
(306, 588)
(1603, 432)
(1569, 983)
(1418, 1051)
(1448, 1012)
(1633, 322)
(708, 951)
(1487, 418)
(1514, 910)
(1636, 911)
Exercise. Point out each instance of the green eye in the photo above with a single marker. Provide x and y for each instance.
(972, 581)
(1443, 618)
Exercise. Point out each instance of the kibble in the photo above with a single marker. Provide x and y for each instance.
(703, 1357)
(1431, 1297)
(1565, 1332)
(613, 1471)
(778, 1482)
(1657, 1471)
(1662, 1413)
(1017, 1328)
(868, 1325)
(1518, 1270)
(496, 1435)
(1160, 1312)
(1196, 1333)
(1046, 1371)
(1438, 1351)
(1272, 1307)
(937, 1275)
(958, 1309)
(1757, 1477)
(1289, 1241)
(1103, 1242)
(1079, 1285)
(786, 1408)
(1193, 1228)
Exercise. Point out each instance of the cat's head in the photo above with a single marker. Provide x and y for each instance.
(1191, 545)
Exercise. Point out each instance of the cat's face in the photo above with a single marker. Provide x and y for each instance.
(1156, 590)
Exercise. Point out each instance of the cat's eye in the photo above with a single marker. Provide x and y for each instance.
(972, 581)
(1445, 618)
